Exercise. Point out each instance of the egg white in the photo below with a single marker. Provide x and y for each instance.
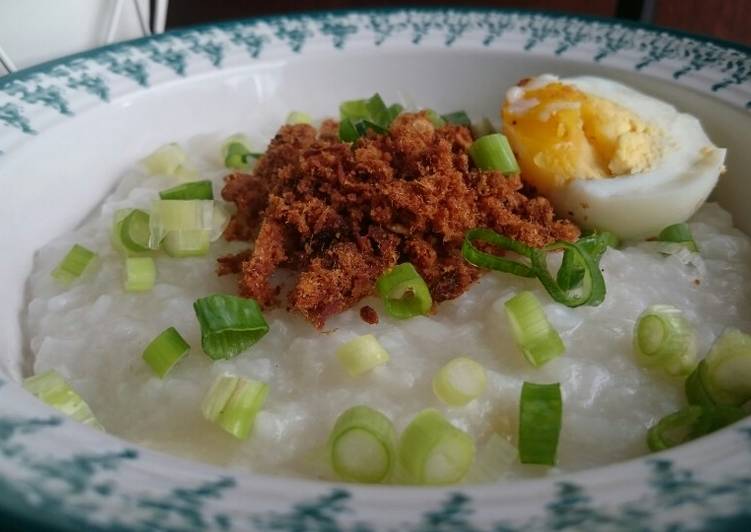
(642, 204)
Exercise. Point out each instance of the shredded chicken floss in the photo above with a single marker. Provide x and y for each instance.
(337, 215)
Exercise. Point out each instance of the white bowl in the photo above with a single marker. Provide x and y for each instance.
(69, 128)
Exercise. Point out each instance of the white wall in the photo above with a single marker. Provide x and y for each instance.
(33, 31)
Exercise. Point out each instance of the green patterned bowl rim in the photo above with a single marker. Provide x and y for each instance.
(717, 496)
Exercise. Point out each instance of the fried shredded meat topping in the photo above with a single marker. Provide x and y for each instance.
(337, 215)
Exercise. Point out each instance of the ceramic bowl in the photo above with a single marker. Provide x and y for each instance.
(69, 128)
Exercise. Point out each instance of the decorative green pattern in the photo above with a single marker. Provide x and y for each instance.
(11, 115)
(71, 490)
(32, 92)
(122, 64)
(246, 36)
(99, 72)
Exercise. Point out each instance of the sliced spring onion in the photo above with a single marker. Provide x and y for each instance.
(229, 324)
(458, 118)
(571, 273)
(679, 234)
(493, 262)
(493, 152)
(378, 111)
(395, 109)
(434, 118)
(236, 152)
(590, 291)
(140, 274)
(482, 128)
(347, 131)
(73, 264)
(433, 451)
(362, 354)
(540, 411)
(404, 292)
(298, 117)
(117, 225)
(219, 221)
(165, 351)
(188, 243)
(532, 332)
(135, 232)
(592, 287)
(663, 337)
(167, 160)
(690, 423)
(460, 381)
(673, 429)
(729, 368)
(697, 386)
(195, 190)
(233, 403)
(357, 116)
(493, 460)
(50, 388)
(363, 445)
(716, 418)
(179, 215)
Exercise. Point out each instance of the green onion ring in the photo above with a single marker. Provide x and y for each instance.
(492, 262)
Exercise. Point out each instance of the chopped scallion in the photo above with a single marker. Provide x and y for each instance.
(179, 215)
(591, 289)
(729, 368)
(690, 423)
(169, 159)
(233, 403)
(459, 118)
(188, 243)
(117, 226)
(673, 429)
(460, 381)
(433, 451)
(571, 273)
(229, 324)
(404, 292)
(434, 118)
(135, 232)
(538, 340)
(679, 234)
(363, 445)
(540, 411)
(482, 259)
(493, 152)
(140, 274)
(165, 351)
(195, 190)
(50, 388)
(298, 117)
(362, 354)
(73, 264)
(236, 152)
(664, 338)
(358, 116)
(697, 386)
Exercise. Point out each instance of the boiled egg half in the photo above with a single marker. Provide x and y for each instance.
(609, 157)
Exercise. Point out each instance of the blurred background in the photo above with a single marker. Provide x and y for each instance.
(32, 31)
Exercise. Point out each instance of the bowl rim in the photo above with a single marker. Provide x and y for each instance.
(43, 522)
(317, 13)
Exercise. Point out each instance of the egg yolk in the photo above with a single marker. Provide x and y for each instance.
(560, 133)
